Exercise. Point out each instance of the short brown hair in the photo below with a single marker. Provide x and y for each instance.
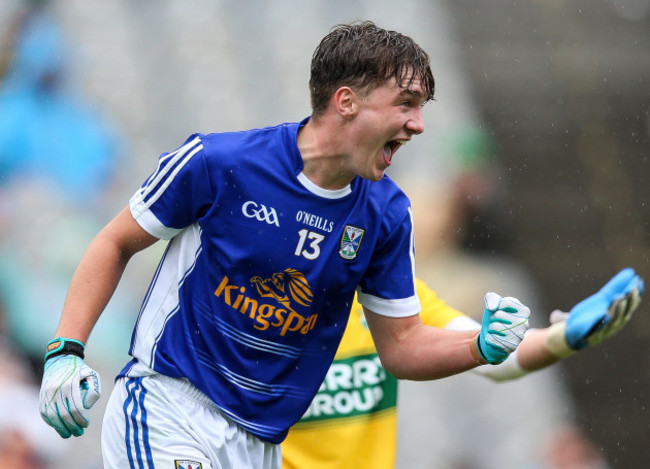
(362, 56)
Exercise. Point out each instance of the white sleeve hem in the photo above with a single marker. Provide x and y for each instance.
(150, 223)
(401, 308)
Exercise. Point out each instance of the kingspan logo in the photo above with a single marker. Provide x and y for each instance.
(285, 289)
(260, 212)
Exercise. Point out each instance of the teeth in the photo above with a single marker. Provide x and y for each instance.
(398, 143)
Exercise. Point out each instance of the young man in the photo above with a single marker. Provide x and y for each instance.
(352, 421)
(272, 232)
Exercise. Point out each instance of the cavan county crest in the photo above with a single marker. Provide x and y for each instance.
(187, 464)
(350, 242)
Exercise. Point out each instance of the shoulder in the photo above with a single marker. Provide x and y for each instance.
(385, 189)
(221, 141)
(237, 146)
(388, 198)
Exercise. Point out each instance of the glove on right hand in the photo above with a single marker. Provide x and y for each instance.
(606, 311)
(597, 317)
(505, 321)
(69, 388)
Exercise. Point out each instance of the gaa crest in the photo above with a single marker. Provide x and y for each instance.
(350, 242)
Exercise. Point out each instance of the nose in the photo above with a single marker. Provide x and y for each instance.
(415, 124)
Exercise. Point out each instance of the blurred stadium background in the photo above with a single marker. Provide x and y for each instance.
(551, 98)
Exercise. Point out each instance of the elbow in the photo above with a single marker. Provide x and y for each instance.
(395, 366)
(397, 371)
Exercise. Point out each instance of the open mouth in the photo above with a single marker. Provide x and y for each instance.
(390, 148)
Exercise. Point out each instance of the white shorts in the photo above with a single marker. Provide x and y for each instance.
(166, 423)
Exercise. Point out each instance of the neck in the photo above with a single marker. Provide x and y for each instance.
(324, 162)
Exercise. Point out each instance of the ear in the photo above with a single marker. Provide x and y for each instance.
(346, 102)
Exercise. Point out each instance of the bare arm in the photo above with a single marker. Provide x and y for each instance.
(589, 322)
(533, 353)
(99, 273)
(410, 350)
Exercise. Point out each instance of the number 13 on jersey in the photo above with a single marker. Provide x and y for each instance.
(312, 251)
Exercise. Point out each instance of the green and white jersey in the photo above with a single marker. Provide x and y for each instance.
(352, 421)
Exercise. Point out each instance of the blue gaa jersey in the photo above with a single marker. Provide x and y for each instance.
(253, 293)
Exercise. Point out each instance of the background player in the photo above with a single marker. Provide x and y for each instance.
(352, 421)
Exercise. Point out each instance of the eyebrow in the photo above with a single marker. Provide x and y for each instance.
(414, 93)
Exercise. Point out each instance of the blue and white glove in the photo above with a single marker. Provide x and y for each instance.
(505, 321)
(597, 317)
(69, 388)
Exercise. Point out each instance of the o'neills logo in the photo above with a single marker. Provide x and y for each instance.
(283, 288)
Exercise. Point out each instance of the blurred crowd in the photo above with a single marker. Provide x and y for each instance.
(70, 158)
(58, 164)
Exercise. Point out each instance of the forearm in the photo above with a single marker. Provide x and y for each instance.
(91, 288)
(99, 273)
(430, 353)
(410, 350)
(533, 352)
